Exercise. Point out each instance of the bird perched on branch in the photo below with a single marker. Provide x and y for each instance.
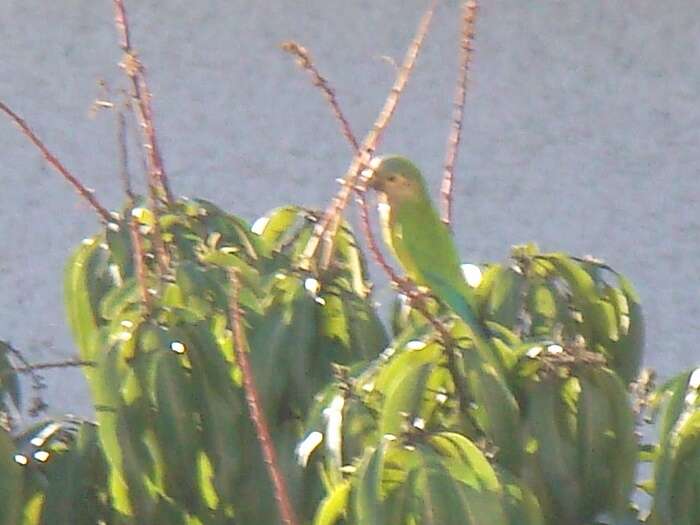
(421, 242)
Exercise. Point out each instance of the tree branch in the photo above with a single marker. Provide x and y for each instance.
(326, 228)
(86, 194)
(305, 62)
(157, 180)
(257, 416)
(447, 187)
(123, 155)
(70, 363)
(132, 66)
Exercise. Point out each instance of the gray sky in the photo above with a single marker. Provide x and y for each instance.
(581, 133)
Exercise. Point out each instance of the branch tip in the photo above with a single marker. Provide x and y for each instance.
(85, 193)
(447, 187)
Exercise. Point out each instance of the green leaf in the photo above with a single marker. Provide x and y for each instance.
(460, 483)
(675, 390)
(622, 443)
(466, 462)
(277, 222)
(443, 499)
(504, 303)
(82, 292)
(367, 334)
(403, 398)
(677, 466)
(175, 425)
(605, 321)
(334, 507)
(219, 404)
(367, 503)
(542, 306)
(32, 510)
(121, 435)
(11, 482)
(410, 355)
(499, 413)
(76, 482)
(119, 243)
(249, 275)
(333, 321)
(205, 475)
(519, 503)
(551, 462)
(627, 351)
(595, 439)
(119, 298)
(583, 289)
(9, 380)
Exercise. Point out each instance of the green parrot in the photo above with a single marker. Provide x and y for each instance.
(421, 242)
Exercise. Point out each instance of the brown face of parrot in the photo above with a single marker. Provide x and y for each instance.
(391, 182)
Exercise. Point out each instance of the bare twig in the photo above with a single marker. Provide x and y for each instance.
(38, 404)
(131, 222)
(158, 180)
(124, 155)
(447, 188)
(138, 255)
(85, 193)
(326, 228)
(70, 363)
(257, 416)
(134, 121)
(304, 61)
(105, 101)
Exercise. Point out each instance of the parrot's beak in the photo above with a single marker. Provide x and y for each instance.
(369, 175)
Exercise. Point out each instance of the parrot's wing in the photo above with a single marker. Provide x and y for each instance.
(454, 297)
(435, 259)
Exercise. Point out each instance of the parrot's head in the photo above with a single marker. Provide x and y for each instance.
(395, 176)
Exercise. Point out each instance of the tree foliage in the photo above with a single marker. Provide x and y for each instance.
(405, 422)
(368, 425)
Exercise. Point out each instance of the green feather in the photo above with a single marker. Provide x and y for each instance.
(421, 242)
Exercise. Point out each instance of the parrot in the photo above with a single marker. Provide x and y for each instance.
(419, 240)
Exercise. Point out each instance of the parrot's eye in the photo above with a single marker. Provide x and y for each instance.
(392, 177)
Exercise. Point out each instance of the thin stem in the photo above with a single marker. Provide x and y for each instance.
(138, 255)
(38, 404)
(85, 193)
(257, 416)
(305, 62)
(158, 180)
(70, 363)
(134, 121)
(124, 155)
(447, 187)
(326, 228)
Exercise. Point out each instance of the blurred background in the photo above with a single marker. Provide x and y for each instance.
(581, 134)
